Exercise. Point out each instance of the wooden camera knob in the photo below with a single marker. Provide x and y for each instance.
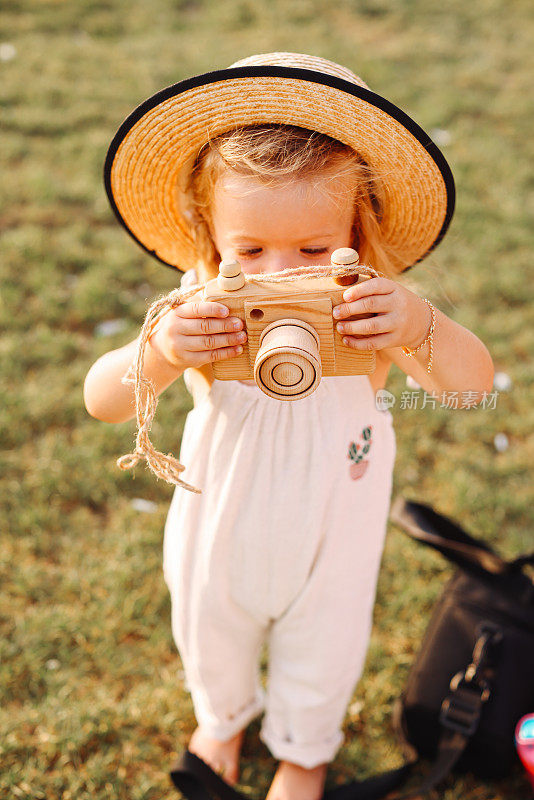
(288, 362)
(345, 257)
(230, 276)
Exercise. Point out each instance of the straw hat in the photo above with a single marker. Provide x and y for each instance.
(155, 147)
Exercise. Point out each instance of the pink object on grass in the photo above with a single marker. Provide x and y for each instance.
(524, 742)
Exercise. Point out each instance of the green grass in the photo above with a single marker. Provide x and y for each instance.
(93, 703)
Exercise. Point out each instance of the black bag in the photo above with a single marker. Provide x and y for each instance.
(474, 675)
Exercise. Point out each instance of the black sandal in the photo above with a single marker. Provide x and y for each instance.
(198, 781)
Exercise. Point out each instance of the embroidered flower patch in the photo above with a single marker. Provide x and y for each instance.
(358, 454)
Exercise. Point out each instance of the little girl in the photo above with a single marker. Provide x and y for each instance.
(277, 162)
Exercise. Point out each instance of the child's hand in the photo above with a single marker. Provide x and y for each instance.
(198, 333)
(403, 318)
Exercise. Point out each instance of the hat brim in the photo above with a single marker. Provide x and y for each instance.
(147, 155)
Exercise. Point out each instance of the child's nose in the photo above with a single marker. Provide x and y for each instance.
(278, 261)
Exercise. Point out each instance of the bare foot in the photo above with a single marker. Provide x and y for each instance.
(292, 782)
(223, 757)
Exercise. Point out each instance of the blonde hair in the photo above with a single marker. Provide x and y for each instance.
(276, 154)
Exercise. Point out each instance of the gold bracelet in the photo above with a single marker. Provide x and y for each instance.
(429, 338)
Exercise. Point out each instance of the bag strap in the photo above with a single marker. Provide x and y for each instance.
(421, 522)
(450, 748)
(461, 710)
(197, 781)
(522, 561)
(375, 788)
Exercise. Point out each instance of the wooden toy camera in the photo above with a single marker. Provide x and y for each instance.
(292, 340)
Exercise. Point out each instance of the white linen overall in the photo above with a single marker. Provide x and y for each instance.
(283, 546)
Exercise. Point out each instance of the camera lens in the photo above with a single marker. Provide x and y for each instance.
(288, 363)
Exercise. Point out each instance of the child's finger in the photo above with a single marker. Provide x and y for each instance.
(370, 304)
(378, 342)
(372, 286)
(366, 327)
(198, 325)
(225, 352)
(201, 308)
(201, 357)
(213, 341)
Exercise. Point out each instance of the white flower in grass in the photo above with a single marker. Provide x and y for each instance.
(441, 137)
(145, 506)
(501, 442)
(110, 327)
(8, 51)
(356, 708)
(502, 382)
